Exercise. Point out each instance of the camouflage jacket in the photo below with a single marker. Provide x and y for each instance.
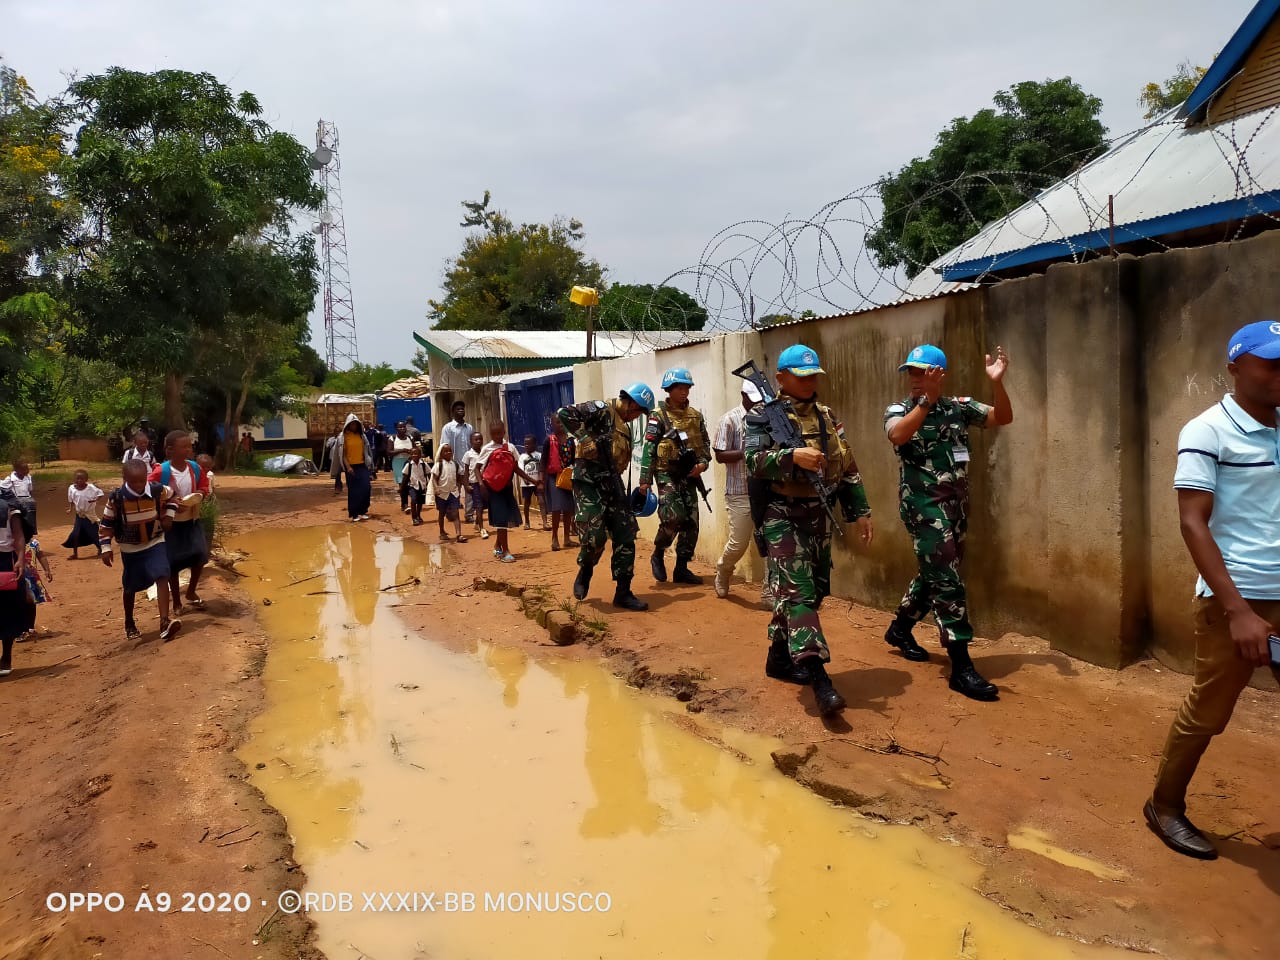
(594, 422)
(935, 462)
(775, 464)
(659, 452)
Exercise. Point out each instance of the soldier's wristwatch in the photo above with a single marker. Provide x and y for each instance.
(924, 402)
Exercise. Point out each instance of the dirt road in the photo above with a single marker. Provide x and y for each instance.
(120, 774)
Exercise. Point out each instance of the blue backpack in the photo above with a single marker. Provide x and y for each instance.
(166, 473)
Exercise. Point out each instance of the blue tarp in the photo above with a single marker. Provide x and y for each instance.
(389, 412)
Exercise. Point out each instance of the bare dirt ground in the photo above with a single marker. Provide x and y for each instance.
(120, 774)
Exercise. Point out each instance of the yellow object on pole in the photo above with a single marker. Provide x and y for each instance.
(584, 296)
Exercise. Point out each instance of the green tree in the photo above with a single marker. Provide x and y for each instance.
(420, 362)
(36, 224)
(185, 188)
(513, 278)
(642, 306)
(363, 378)
(1159, 98)
(982, 167)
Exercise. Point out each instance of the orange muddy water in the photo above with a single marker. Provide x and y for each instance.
(495, 804)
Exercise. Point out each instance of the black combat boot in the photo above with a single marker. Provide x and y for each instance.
(582, 583)
(6, 661)
(682, 574)
(778, 665)
(624, 598)
(658, 564)
(827, 696)
(965, 679)
(899, 635)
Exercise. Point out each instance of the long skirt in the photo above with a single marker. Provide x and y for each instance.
(558, 501)
(359, 491)
(83, 534)
(186, 546)
(17, 613)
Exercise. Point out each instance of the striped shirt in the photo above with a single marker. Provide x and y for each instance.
(1226, 452)
(731, 434)
(134, 518)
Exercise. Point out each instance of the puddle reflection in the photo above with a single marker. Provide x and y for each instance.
(402, 766)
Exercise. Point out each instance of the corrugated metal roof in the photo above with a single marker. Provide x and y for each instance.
(1165, 179)
(490, 345)
(505, 378)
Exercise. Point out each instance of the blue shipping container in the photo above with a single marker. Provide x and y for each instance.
(530, 404)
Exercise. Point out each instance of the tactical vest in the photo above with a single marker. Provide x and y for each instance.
(689, 422)
(822, 432)
(587, 449)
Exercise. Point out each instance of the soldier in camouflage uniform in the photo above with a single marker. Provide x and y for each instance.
(677, 499)
(931, 435)
(795, 524)
(603, 454)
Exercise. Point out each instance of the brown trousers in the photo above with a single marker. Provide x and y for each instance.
(1221, 676)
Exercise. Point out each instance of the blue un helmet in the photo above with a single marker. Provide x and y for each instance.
(924, 356)
(640, 393)
(643, 504)
(676, 375)
(800, 360)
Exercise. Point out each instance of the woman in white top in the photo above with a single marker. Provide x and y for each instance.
(401, 448)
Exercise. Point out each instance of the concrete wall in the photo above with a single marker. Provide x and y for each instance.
(1073, 528)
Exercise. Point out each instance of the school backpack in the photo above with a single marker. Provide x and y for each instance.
(166, 473)
(499, 468)
(117, 497)
(25, 508)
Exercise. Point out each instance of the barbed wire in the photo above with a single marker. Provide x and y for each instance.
(757, 272)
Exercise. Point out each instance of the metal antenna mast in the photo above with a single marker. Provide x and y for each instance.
(339, 310)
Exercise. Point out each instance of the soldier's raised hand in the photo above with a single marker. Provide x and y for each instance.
(996, 368)
(933, 378)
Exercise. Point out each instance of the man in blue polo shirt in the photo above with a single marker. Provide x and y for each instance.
(1228, 483)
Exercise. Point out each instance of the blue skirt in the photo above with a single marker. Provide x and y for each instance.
(503, 509)
(144, 567)
(186, 546)
(83, 534)
(17, 612)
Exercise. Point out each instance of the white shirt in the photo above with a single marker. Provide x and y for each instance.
(415, 475)
(183, 481)
(83, 502)
(458, 436)
(146, 456)
(731, 435)
(489, 447)
(401, 444)
(18, 486)
(470, 465)
(447, 476)
(1226, 452)
(531, 463)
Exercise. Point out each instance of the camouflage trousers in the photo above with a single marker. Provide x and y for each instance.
(799, 559)
(598, 519)
(937, 534)
(677, 518)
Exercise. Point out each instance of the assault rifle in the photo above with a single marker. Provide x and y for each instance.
(784, 433)
(683, 465)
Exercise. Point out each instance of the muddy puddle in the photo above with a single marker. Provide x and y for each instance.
(579, 818)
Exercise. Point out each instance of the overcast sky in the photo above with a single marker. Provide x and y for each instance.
(655, 123)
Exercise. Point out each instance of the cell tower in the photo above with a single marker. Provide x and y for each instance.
(339, 310)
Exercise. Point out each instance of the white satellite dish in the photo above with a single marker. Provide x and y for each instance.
(322, 155)
(326, 217)
(317, 228)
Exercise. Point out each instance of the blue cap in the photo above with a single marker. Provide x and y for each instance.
(675, 376)
(923, 356)
(1262, 339)
(800, 360)
(640, 393)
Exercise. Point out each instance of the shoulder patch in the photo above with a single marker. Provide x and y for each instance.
(964, 399)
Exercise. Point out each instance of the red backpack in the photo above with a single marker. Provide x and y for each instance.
(499, 468)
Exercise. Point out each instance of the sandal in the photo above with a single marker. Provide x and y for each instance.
(555, 544)
(509, 558)
(445, 538)
(460, 539)
(497, 553)
(196, 602)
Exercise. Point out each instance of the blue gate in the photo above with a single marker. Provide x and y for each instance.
(530, 404)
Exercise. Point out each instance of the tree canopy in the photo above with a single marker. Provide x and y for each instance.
(189, 197)
(510, 277)
(1160, 98)
(982, 167)
(364, 378)
(642, 306)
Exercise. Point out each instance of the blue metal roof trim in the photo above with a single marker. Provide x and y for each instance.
(1206, 216)
(1232, 57)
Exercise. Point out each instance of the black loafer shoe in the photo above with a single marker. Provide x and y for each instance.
(1179, 833)
(972, 684)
